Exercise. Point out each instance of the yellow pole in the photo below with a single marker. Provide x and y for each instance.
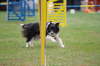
(43, 20)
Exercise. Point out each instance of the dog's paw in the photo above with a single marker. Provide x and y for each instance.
(27, 45)
(62, 46)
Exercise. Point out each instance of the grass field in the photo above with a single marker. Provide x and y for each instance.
(81, 39)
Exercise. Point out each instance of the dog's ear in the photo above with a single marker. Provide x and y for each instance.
(50, 22)
(57, 24)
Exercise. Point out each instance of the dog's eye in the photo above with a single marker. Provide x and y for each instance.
(48, 30)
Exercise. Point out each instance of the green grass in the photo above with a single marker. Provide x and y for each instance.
(81, 39)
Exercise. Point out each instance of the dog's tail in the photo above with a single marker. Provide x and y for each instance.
(21, 24)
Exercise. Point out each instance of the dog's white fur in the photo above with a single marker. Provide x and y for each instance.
(57, 40)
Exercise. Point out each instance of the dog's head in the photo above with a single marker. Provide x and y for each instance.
(52, 29)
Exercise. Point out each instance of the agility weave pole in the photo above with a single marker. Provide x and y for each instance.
(43, 20)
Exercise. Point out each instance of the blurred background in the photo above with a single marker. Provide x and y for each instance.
(81, 35)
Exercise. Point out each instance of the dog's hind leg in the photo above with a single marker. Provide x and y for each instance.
(29, 42)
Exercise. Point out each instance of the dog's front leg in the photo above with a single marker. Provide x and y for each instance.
(50, 38)
(59, 40)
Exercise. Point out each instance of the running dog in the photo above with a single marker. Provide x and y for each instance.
(31, 32)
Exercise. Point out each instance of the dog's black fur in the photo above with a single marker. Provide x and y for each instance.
(32, 30)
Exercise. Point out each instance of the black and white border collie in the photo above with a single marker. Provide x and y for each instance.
(31, 32)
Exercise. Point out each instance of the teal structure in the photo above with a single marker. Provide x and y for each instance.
(20, 9)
